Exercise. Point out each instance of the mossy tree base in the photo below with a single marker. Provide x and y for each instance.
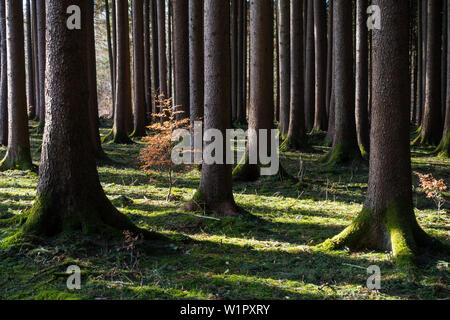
(245, 172)
(291, 143)
(138, 133)
(20, 160)
(343, 153)
(48, 218)
(396, 229)
(222, 208)
(443, 150)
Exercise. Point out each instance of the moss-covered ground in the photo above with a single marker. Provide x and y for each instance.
(273, 257)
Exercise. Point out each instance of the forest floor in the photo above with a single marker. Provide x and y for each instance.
(225, 258)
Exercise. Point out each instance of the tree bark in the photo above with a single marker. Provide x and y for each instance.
(285, 64)
(181, 56)
(161, 16)
(445, 143)
(242, 63)
(329, 56)
(310, 67)
(139, 106)
(387, 221)
(147, 63)
(196, 60)
(215, 192)
(34, 31)
(320, 44)
(261, 111)
(18, 155)
(30, 67)
(296, 138)
(345, 146)
(362, 78)
(114, 49)
(41, 30)
(123, 113)
(69, 194)
(155, 55)
(3, 77)
(111, 56)
(331, 77)
(431, 122)
(94, 132)
(234, 57)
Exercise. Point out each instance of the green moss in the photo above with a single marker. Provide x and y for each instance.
(57, 295)
(246, 172)
(364, 152)
(342, 153)
(20, 162)
(445, 147)
(352, 235)
(293, 144)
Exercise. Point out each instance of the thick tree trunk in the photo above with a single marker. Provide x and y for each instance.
(345, 145)
(123, 113)
(139, 106)
(30, 67)
(3, 77)
(41, 30)
(69, 195)
(387, 221)
(444, 65)
(111, 56)
(320, 44)
(445, 143)
(431, 123)
(331, 77)
(419, 79)
(161, 16)
(296, 137)
(18, 154)
(284, 64)
(310, 67)
(171, 57)
(215, 192)
(181, 56)
(261, 111)
(362, 78)
(94, 132)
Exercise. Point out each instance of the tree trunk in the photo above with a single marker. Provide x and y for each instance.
(123, 113)
(30, 68)
(147, 63)
(362, 78)
(431, 123)
(94, 133)
(419, 78)
(320, 34)
(18, 154)
(242, 62)
(345, 145)
(181, 56)
(171, 60)
(196, 65)
(215, 192)
(161, 16)
(34, 31)
(155, 54)
(196, 60)
(310, 67)
(445, 143)
(331, 77)
(285, 64)
(69, 194)
(329, 57)
(296, 137)
(139, 107)
(114, 49)
(387, 221)
(3, 77)
(444, 65)
(261, 111)
(41, 30)
(234, 57)
(111, 56)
